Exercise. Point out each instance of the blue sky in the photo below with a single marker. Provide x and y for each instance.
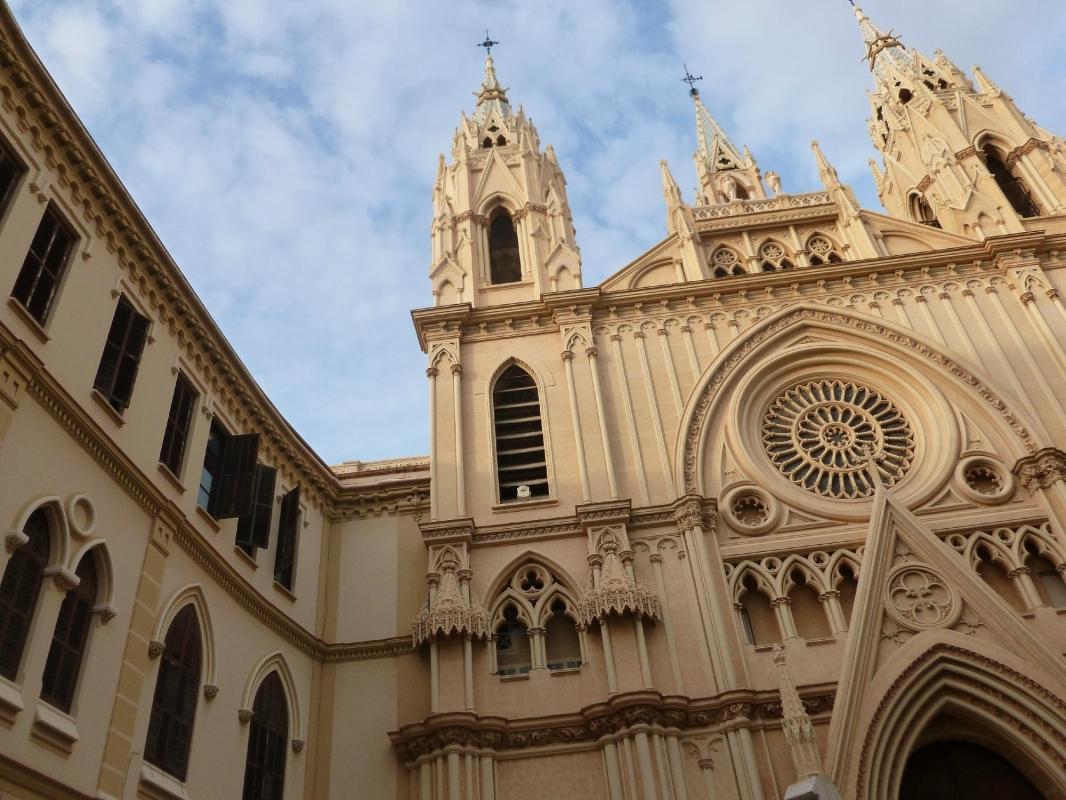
(285, 151)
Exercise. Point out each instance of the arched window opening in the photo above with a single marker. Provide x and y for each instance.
(757, 619)
(949, 769)
(71, 635)
(512, 645)
(848, 587)
(486, 142)
(1012, 187)
(807, 611)
(725, 262)
(822, 251)
(174, 703)
(1048, 580)
(774, 257)
(740, 193)
(504, 263)
(905, 96)
(268, 735)
(500, 140)
(521, 461)
(19, 590)
(996, 577)
(922, 212)
(561, 641)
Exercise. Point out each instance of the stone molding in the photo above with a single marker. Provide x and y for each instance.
(1042, 469)
(622, 713)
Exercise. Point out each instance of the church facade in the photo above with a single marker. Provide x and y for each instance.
(778, 509)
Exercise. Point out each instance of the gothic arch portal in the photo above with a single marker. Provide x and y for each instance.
(819, 333)
(999, 700)
(275, 662)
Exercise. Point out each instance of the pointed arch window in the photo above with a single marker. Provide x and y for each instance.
(176, 689)
(757, 619)
(848, 586)
(822, 251)
(1049, 581)
(773, 257)
(513, 653)
(505, 266)
(264, 768)
(808, 613)
(922, 212)
(67, 651)
(521, 459)
(562, 644)
(725, 262)
(19, 591)
(1013, 188)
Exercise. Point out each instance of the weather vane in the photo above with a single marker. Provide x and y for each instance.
(488, 44)
(691, 79)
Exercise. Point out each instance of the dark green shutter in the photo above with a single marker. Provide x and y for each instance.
(231, 495)
(285, 557)
(254, 528)
(122, 354)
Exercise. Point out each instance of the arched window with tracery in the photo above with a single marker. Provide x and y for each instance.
(725, 262)
(808, 613)
(513, 653)
(71, 634)
(505, 265)
(1013, 188)
(922, 212)
(20, 589)
(1048, 580)
(268, 735)
(774, 257)
(995, 575)
(521, 457)
(562, 644)
(757, 619)
(848, 586)
(176, 690)
(822, 251)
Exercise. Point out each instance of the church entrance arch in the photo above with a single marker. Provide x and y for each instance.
(959, 770)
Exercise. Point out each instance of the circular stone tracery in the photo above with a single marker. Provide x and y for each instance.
(821, 434)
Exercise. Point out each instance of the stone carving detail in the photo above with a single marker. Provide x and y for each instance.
(450, 609)
(612, 587)
(820, 435)
(919, 599)
(1042, 469)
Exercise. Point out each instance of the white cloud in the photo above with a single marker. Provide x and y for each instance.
(285, 152)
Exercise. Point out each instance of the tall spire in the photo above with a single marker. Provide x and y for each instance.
(881, 48)
(491, 96)
(714, 145)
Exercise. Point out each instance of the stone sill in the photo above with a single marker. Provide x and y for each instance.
(10, 701)
(103, 402)
(519, 676)
(216, 526)
(156, 783)
(246, 557)
(24, 314)
(55, 729)
(522, 505)
(565, 671)
(175, 481)
(286, 591)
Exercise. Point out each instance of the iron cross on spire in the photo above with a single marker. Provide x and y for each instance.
(691, 79)
(488, 44)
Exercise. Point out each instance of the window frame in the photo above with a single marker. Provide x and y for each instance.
(41, 539)
(8, 194)
(289, 520)
(80, 600)
(549, 473)
(266, 740)
(253, 528)
(176, 764)
(62, 269)
(120, 360)
(501, 212)
(171, 424)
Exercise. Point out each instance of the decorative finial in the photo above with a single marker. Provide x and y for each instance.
(488, 44)
(691, 79)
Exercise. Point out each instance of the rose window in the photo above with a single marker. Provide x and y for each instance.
(826, 436)
(772, 250)
(724, 257)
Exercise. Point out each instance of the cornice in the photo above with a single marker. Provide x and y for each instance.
(111, 213)
(641, 711)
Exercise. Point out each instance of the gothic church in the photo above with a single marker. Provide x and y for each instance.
(777, 510)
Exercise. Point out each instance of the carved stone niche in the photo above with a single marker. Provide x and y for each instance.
(612, 587)
(450, 608)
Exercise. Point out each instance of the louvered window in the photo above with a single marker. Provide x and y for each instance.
(179, 422)
(122, 355)
(11, 169)
(228, 479)
(520, 455)
(43, 268)
(70, 637)
(505, 265)
(176, 689)
(253, 528)
(19, 590)
(264, 769)
(288, 529)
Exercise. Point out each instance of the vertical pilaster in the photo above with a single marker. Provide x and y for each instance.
(601, 417)
(457, 410)
(579, 439)
(434, 486)
(671, 643)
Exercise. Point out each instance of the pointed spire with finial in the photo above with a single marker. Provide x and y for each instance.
(881, 48)
(714, 145)
(491, 96)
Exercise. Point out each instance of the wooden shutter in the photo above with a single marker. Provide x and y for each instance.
(67, 651)
(285, 557)
(176, 433)
(264, 766)
(122, 354)
(43, 268)
(231, 494)
(177, 688)
(11, 170)
(254, 528)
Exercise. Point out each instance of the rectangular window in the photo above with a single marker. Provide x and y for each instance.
(288, 530)
(179, 422)
(43, 268)
(253, 528)
(11, 170)
(122, 355)
(227, 482)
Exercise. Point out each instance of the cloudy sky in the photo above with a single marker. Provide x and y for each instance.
(284, 150)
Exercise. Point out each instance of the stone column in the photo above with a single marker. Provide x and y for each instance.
(457, 407)
(579, 440)
(601, 416)
(431, 374)
(671, 644)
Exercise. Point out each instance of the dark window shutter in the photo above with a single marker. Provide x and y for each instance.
(11, 170)
(43, 268)
(179, 419)
(176, 690)
(264, 767)
(122, 354)
(254, 528)
(285, 556)
(231, 495)
(68, 642)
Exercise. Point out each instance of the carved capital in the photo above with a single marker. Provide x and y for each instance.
(431, 372)
(706, 763)
(566, 355)
(298, 745)
(688, 514)
(591, 352)
(245, 715)
(14, 540)
(656, 558)
(210, 691)
(1026, 298)
(155, 649)
(457, 369)
(1042, 469)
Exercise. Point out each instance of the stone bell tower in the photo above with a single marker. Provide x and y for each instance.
(958, 154)
(502, 230)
